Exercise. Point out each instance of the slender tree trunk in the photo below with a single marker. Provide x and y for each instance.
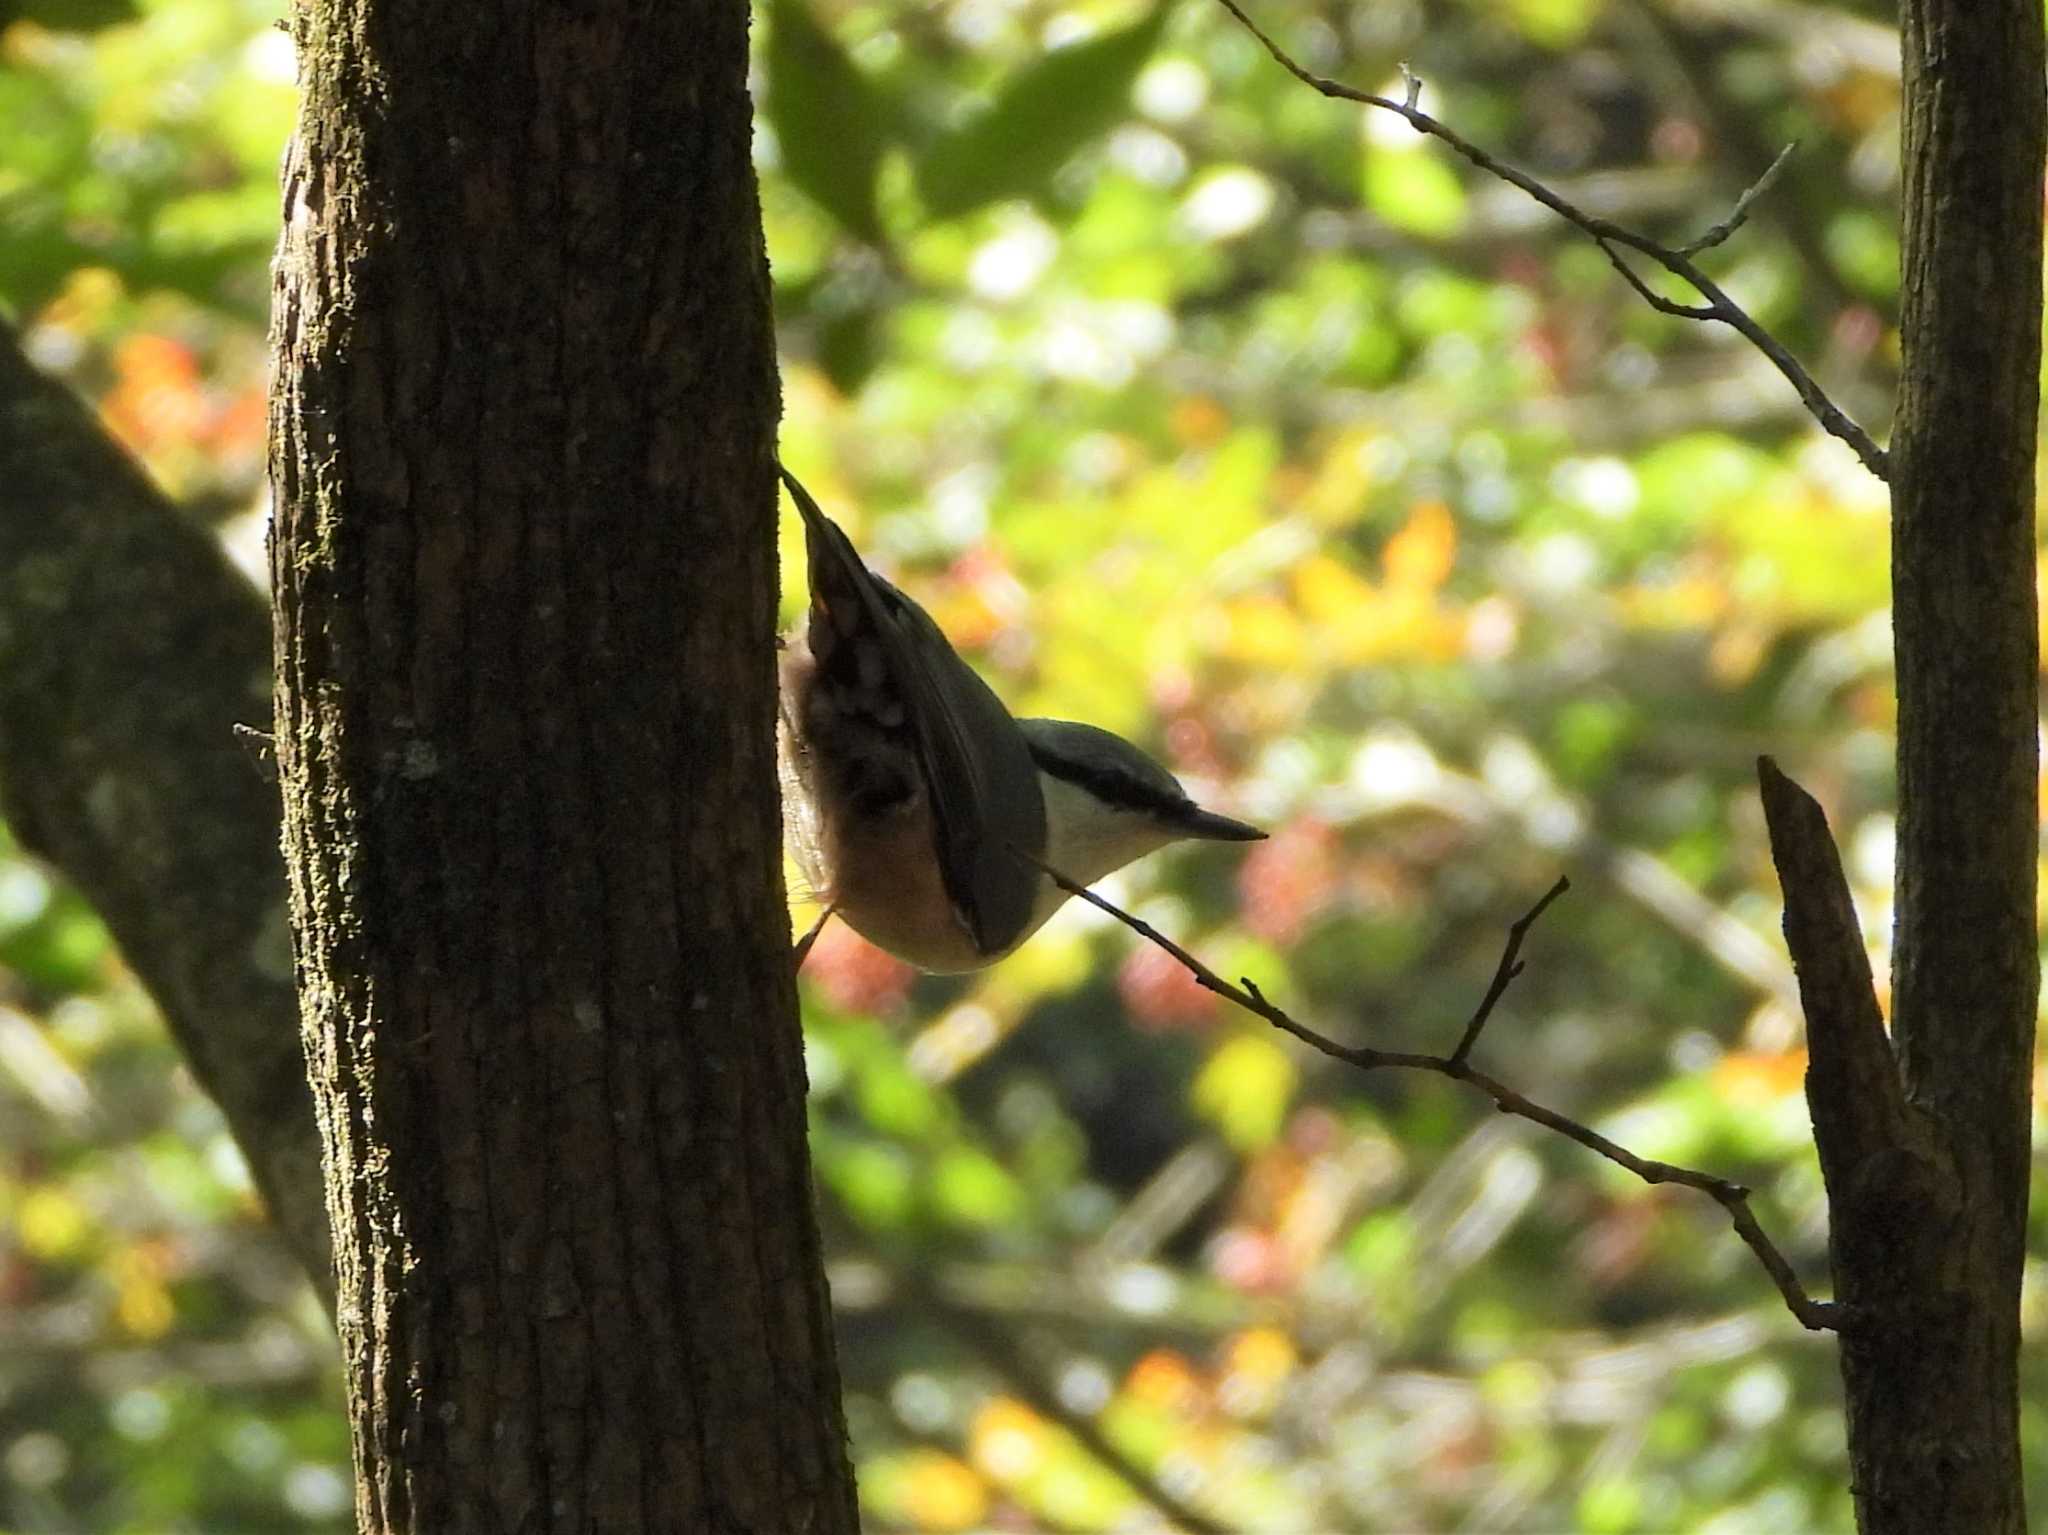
(1966, 968)
(1924, 1138)
(525, 589)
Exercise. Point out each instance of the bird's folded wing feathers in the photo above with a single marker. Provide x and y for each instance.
(984, 791)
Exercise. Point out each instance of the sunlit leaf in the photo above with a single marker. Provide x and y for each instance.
(1383, 1243)
(1256, 1363)
(1420, 555)
(62, 949)
(877, 1183)
(1415, 191)
(1610, 1506)
(1008, 1441)
(895, 1100)
(1865, 249)
(1245, 1090)
(1687, 478)
(832, 122)
(940, 1493)
(1555, 23)
(971, 1188)
(1586, 734)
(143, 1305)
(1039, 119)
(1164, 1379)
(51, 1224)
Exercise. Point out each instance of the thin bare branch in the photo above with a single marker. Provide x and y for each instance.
(1608, 235)
(1510, 966)
(1731, 1196)
(1648, 294)
(1739, 214)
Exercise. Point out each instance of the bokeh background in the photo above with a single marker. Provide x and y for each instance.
(1253, 426)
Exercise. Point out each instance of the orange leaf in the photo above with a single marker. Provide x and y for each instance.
(1421, 554)
(1752, 1075)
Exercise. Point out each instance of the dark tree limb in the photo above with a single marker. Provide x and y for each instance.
(129, 651)
(1898, 1214)
(1933, 1393)
(1613, 238)
(1731, 1196)
(1852, 1082)
(1893, 1198)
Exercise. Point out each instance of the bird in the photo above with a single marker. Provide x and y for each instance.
(923, 814)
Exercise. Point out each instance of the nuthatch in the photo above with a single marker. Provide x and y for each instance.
(909, 789)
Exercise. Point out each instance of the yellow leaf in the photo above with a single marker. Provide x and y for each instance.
(1165, 1379)
(144, 1309)
(1264, 1354)
(1330, 592)
(52, 1223)
(1245, 1090)
(1693, 601)
(1420, 555)
(1335, 496)
(940, 1493)
(1255, 1364)
(144, 1306)
(1262, 631)
(1751, 1076)
(1738, 650)
(1008, 1440)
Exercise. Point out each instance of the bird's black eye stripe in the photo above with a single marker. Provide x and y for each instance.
(1124, 790)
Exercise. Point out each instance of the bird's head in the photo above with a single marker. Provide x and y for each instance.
(1107, 802)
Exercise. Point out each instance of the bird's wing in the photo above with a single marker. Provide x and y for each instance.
(985, 798)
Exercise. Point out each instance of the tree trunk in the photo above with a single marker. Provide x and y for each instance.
(525, 589)
(1966, 969)
(1924, 1139)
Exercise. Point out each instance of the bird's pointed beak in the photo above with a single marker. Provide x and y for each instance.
(1211, 827)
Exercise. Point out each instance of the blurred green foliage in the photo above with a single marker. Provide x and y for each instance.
(1250, 425)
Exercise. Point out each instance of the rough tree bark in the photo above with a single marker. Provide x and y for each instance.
(525, 584)
(1966, 966)
(1924, 1139)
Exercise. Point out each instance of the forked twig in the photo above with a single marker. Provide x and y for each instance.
(1733, 1197)
(1510, 966)
(1739, 214)
(1613, 238)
